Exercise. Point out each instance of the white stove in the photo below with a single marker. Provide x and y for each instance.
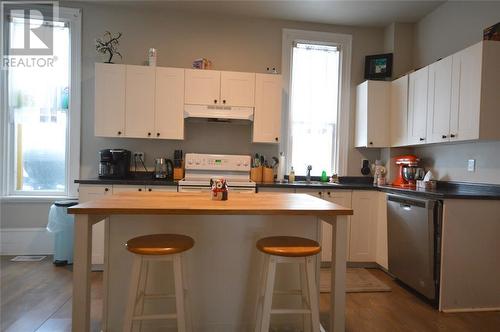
(200, 168)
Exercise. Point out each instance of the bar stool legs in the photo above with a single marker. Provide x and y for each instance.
(137, 293)
(308, 293)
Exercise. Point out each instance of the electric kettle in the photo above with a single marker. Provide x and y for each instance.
(164, 168)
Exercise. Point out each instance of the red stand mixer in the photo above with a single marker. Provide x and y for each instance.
(408, 172)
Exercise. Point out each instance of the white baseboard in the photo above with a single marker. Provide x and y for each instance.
(26, 241)
(470, 310)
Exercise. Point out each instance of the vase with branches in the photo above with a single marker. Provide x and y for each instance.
(109, 45)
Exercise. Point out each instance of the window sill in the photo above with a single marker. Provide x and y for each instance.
(34, 199)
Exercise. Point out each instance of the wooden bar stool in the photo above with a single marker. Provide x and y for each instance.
(154, 248)
(289, 249)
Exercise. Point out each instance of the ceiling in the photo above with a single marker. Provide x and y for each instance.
(352, 12)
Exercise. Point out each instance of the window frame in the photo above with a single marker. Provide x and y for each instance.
(344, 43)
(72, 164)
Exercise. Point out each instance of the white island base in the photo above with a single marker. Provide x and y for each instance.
(222, 270)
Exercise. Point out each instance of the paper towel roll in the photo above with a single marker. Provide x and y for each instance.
(281, 168)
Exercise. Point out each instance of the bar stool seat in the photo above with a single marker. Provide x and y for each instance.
(159, 244)
(288, 246)
(289, 249)
(149, 249)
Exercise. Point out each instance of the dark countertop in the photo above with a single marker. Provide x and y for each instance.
(135, 180)
(318, 185)
(450, 190)
(444, 190)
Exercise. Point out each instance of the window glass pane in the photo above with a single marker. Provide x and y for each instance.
(313, 109)
(39, 105)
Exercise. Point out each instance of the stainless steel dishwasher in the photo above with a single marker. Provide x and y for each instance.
(414, 243)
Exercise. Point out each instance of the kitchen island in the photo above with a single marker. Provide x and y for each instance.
(222, 269)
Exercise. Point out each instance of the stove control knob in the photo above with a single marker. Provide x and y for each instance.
(245, 164)
(190, 162)
(197, 162)
(238, 163)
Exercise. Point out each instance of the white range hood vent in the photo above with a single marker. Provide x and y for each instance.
(218, 112)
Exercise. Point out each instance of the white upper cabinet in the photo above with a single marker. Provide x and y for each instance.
(439, 101)
(169, 103)
(372, 111)
(267, 114)
(399, 111)
(237, 89)
(475, 92)
(140, 101)
(202, 87)
(109, 105)
(417, 106)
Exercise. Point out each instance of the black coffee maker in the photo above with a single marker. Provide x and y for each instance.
(114, 163)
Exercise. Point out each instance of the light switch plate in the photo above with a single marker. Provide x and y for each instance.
(471, 165)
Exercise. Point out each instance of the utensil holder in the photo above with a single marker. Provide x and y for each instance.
(267, 175)
(178, 174)
(256, 174)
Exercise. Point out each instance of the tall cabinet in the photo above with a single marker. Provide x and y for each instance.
(267, 113)
(110, 81)
(417, 106)
(372, 111)
(399, 111)
(439, 101)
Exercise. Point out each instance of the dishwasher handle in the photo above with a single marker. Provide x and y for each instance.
(407, 203)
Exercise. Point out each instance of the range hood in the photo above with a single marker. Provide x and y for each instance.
(218, 112)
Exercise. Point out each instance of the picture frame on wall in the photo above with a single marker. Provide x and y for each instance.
(378, 67)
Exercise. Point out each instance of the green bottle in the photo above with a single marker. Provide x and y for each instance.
(324, 177)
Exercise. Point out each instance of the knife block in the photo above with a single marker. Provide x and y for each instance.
(179, 172)
(267, 175)
(256, 174)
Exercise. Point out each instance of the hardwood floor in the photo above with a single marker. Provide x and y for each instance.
(36, 296)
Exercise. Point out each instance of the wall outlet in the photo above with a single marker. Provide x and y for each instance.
(471, 165)
(138, 156)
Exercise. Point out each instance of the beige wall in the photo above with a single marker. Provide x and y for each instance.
(450, 28)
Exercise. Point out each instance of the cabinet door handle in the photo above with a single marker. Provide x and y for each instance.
(422, 139)
(119, 133)
(149, 189)
(453, 135)
(215, 101)
(139, 189)
(149, 134)
(106, 189)
(329, 194)
(276, 139)
(444, 136)
(224, 101)
(371, 143)
(157, 134)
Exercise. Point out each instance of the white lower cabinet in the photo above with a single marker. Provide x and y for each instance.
(89, 192)
(341, 197)
(344, 198)
(362, 241)
(161, 188)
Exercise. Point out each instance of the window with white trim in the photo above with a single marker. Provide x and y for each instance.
(313, 107)
(41, 108)
(316, 74)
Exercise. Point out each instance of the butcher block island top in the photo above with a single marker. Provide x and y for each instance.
(200, 203)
